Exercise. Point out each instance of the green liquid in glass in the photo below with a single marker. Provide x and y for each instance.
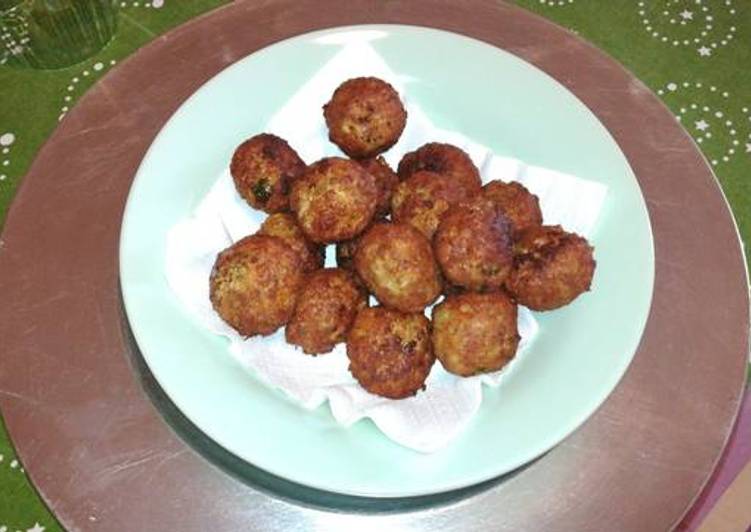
(54, 33)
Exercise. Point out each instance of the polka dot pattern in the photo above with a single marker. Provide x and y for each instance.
(155, 4)
(704, 110)
(701, 25)
(556, 3)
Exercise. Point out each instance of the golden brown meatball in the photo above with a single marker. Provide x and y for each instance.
(263, 168)
(443, 159)
(396, 263)
(284, 225)
(345, 254)
(326, 307)
(475, 333)
(345, 259)
(521, 207)
(386, 181)
(365, 117)
(551, 268)
(473, 245)
(334, 200)
(389, 351)
(423, 198)
(254, 284)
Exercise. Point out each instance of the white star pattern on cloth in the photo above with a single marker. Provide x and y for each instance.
(36, 528)
(687, 15)
(748, 148)
(704, 51)
(701, 125)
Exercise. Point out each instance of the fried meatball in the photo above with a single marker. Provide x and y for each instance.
(334, 200)
(284, 225)
(326, 307)
(365, 117)
(551, 268)
(386, 181)
(345, 254)
(443, 159)
(263, 168)
(522, 208)
(473, 245)
(254, 284)
(396, 263)
(475, 333)
(345, 259)
(389, 351)
(423, 198)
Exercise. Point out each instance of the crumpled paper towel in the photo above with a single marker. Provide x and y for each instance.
(431, 419)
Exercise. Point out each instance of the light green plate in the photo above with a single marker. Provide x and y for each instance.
(489, 95)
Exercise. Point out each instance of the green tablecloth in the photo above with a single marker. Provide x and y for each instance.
(693, 53)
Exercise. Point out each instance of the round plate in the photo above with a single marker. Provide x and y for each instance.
(494, 98)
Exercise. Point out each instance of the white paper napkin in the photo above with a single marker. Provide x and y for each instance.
(431, 419)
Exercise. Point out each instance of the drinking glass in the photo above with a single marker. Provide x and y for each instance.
(54, 33)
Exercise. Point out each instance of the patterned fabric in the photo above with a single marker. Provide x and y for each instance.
(694, 54)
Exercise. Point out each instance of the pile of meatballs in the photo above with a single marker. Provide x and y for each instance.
(406, 237)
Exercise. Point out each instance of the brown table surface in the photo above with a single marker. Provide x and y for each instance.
(89, 421)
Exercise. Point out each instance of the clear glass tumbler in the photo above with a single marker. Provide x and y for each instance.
(54, 33)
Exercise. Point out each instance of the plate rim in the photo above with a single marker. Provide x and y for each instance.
(525, 458)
